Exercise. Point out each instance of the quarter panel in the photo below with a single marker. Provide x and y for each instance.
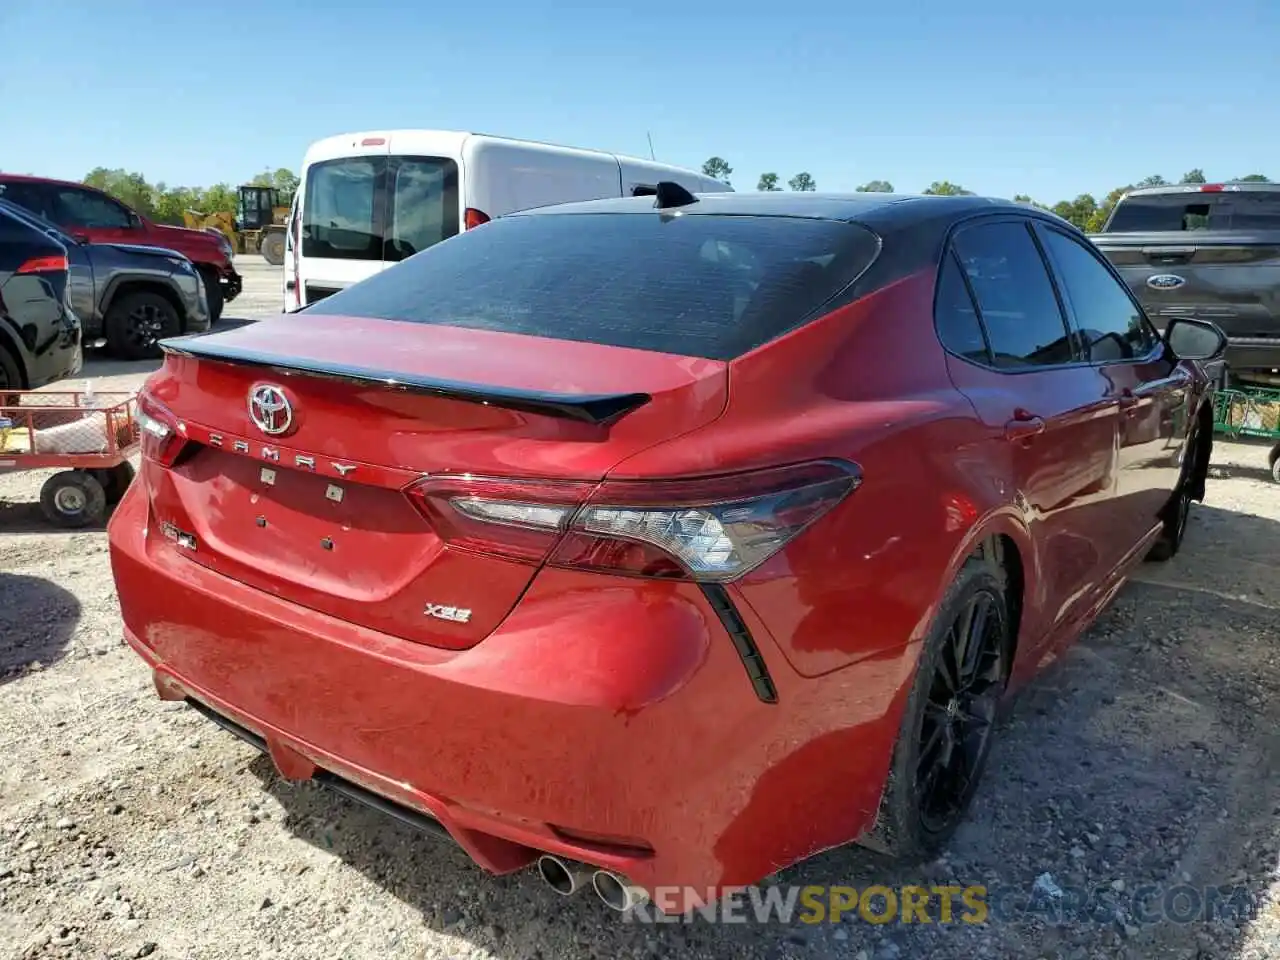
(867, 383)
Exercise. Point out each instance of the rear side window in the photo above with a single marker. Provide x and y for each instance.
(957, 319)
(36, 197)
(1015, 296)
(1174, 212)
(378, 208)
(694, 285)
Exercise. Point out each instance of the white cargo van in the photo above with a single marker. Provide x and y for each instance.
(368, 200)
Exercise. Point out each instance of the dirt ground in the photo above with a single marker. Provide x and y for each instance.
(1142, 768)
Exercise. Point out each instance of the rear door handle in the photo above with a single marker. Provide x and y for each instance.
(1023, 426)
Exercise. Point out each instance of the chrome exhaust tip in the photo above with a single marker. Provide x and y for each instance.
(616, 892)
(562, 876)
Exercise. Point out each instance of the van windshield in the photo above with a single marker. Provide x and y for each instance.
(378, 208)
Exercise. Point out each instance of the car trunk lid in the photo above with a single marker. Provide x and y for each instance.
(317, 513)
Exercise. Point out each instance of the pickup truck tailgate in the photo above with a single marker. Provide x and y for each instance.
(1232, 279)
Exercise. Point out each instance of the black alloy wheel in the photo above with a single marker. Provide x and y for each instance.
(960, 710)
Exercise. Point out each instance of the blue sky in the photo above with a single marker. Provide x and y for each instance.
(1001, 96)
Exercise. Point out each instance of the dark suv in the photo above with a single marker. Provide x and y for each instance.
(133, 296)
(39, 332)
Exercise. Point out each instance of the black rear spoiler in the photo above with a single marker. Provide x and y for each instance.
(593, 408)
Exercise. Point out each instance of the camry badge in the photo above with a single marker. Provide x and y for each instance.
(1165, 281)
(270, 410)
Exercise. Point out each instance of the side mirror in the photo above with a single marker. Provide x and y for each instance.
(1192, 339)
(135, 222)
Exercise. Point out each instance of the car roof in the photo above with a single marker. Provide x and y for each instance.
(885, 209)
(31, 178)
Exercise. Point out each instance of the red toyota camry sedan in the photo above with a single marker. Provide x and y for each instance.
(662, 542)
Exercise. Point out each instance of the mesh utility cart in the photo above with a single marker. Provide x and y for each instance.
(1250, 412)
(88, 439)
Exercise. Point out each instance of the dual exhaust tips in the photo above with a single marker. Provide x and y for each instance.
(566, 878)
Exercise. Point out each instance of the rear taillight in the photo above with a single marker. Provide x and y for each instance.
(474, 218)
(706, 529)
(55, 264)
(1211, 188)
(517, 519)
(162, 438)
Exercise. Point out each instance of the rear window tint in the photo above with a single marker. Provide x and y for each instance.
(694, 285)
(1172, 212)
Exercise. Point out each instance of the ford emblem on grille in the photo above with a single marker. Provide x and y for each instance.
(1165, 281)
(270, 410)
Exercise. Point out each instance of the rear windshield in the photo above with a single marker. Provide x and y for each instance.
(1170, 212)
(700, 286)
(378, 208)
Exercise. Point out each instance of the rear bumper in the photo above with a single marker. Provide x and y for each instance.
(232, 283)
(617, 728)
(1253, 353)
(62, 356)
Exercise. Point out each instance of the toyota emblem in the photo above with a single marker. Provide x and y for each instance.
(270, 410)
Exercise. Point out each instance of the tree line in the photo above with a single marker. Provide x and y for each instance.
(165, 204)
(1085, 211)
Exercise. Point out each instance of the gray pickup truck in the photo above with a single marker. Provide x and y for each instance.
(1210, 251)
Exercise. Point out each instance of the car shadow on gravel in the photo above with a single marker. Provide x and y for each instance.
(37, 621)
(1128, 809)
(21, 516)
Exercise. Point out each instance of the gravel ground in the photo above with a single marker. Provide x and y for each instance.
(1146, 757)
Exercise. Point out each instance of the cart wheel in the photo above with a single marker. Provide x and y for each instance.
(73, 499)
(115, 481)
(1275, 463)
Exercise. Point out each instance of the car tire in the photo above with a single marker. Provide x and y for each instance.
(136, 322)
(915, 820)
(213, 293)
(1178, 510)
(115, 481)
(272, 248)
(73, 499)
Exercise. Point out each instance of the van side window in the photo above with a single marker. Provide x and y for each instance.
(955, 316)
(644, 190)
(1016, 300)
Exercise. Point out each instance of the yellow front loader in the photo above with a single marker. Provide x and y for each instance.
(223, 223)
(258, 226)
(263, 212)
